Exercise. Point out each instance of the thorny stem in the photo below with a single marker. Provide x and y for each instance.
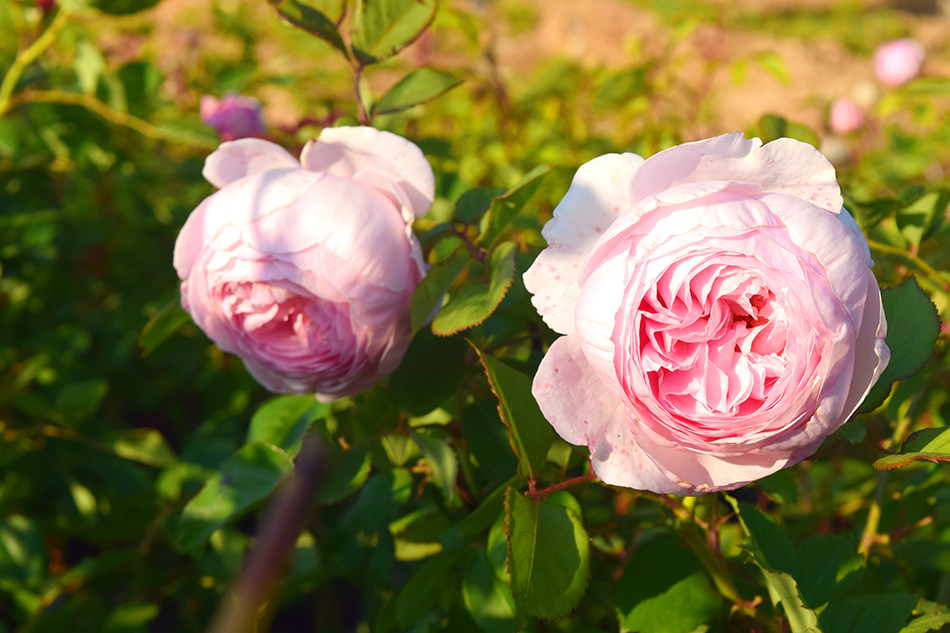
(567, 483)
(27, 57)
(365, 118)
(473, 250)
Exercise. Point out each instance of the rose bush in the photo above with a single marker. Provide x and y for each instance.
(719, 313)
(306, 269)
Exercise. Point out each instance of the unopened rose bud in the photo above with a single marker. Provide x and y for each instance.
(845, 116)
(898, 61)
(234, 116)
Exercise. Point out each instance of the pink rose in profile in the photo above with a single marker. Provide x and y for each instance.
(719, 314)
(306, 269)
(845, 116)
(234, 116)
(897, 62)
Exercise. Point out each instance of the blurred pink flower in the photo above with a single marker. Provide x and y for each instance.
(46, 5)
(898, 61)
(845, 116)
(234, 116)
(306, 268)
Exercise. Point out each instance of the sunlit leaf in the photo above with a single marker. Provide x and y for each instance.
(284, 420)
(417, 87)
(303, 15)
(382, 28)
(475, 303)
(506, 206)
(932, 445)
(530, 434)
(441, 458)
(245, 478)
(548, 556)
(431, 291)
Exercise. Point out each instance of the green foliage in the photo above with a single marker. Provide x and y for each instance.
(548, 556)
(137, 461)
(417, 87)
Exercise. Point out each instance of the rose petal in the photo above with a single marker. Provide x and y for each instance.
(345, 151)
(598, 194)
(782, 166)
(584, 412)
(234, 160)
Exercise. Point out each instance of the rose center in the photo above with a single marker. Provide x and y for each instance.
(279, 321)
(714, 348)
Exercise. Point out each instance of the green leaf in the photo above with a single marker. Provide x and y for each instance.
(309, 18)
(932, 617)
(147, 446)
(399, 448)
(348, 473)
(548, 556)
(430, 372)
(416, 535)
(488, 599)
(89, 65)
(923, 215)
(675, 597)
(122, 7)
(478, 520)
(422, 592)
(284, 420)
(441, 458)
(475, 303)
(22, 555)
(379, 501)
(472, 204)
(773, 64)
(130, 618)
(912, 330)
(877, 613)
(935, 86)
(382, 28)
(419, 86)
(245, 478)
(932, 445)
(432, 289)
(529, 433)
(190, 130)
(773, 552)
(505, 207)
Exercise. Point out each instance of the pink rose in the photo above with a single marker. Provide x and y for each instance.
(306, 269)
(845, 116)
(718, 309)
(234, 116)
(897, 62)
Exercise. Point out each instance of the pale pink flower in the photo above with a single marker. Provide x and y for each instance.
(234, 116)
(898, 61)
(306, 269)
(719, 313)
(845, 116)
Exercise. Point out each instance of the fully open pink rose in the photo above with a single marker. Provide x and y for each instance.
(719, 314)
(306, 269)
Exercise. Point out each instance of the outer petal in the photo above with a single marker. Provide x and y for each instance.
(598, 194)
(345, 151)
(583, 411)
(699, 473)
(782, 166)
(236, 159)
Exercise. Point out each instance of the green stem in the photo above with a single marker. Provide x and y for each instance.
(98, 107)
(926, 268)
(27, 57)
